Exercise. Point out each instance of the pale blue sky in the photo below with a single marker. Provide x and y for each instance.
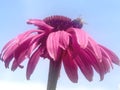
(103, 24)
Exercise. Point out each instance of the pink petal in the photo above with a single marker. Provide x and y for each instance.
(22, 47)
(73, 46)
(96, 48)
(27, 34)
(56, 40)
(112, 55)
(91, 57)
(32, 48)
(9, 52)
(7, 60)
(106, 57)
(80, 35)
(9, 48)
(20, 53)
(8, 44)
(35, 42)
(63, 39)
(33, 62)
(37, 38)
(70, 67)
(105, 64)
(85, 65)
(17, 61)
(40, 23)
(53, 45)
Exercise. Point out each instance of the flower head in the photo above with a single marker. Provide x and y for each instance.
(62, 40)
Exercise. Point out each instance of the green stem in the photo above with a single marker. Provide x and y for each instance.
(54, 71)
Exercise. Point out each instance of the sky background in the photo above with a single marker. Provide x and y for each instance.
(103, 24)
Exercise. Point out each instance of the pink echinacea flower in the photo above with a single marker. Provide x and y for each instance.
(61, 40)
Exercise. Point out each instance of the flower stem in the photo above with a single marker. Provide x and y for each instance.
(54, 71)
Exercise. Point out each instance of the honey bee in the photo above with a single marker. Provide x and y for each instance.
(78, 23)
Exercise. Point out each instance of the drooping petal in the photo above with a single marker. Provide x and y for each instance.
(9, 48)
(53, 45)
(7, 60)
(37, 38)
(105, 64)
(18, 60)
(40, 24)
(33, 62)
(96, 48)
(70, 67)
(20, 53)
(55, 41)
(93, 60)
(80, 36)
(7, 45)
(63, 39)
(112, 55)
(28, 33)
(25, 49)
(106, 58)
(32, 48)
(73, 46)
(35, 42)
(9, 52)
(17, 48)
(85, 65)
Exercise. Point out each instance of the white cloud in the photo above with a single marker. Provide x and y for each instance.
(21, 86)
(38, 86)
(118, 86)
(82, 88)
